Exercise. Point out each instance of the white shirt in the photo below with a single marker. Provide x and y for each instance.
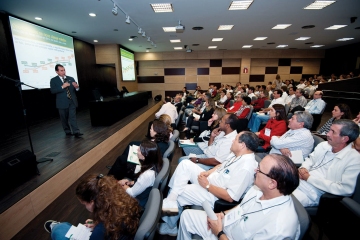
(276, 219)
(236, 175)
(330, 172)
(251, 95)
(284, 95)
(220, 148)
(223, 99)
(301, 85)
(289, 98)
(277, 101)
(168, 109)
(299, 139)
(315, 106)
(145, 180)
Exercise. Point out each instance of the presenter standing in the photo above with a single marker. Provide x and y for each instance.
(64, 87)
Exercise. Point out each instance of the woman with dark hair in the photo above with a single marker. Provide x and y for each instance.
(276, 126)
(204, 116)
(230, 96)
(144, 174)
(159, 134)
(244, 109)
(115, 213)
(340, 111)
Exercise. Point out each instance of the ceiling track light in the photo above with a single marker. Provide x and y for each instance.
(143, 34)
(139, 30)
(127, 19)
(115, 10)
(148, 39)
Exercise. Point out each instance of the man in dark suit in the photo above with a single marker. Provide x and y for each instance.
(65, 89)
(177, 103)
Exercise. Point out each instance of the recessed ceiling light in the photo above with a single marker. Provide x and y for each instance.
(217, 39)
(95, 40)
(240, 5)
(247, 46)
(178, 48)
(317, 46)
(147, 50)
(309, 43)
(270, 43)
(335, 27)
(38, 18)
(197, 28)
(302, 38)
(344, 39)
(260, 38)
(212, 47)
(162, 7)
(319, 5)
(281, 26)
(92, 14)
(130, 39)
(169, 29)
(225, 27)
(175, 40)
(281, 46)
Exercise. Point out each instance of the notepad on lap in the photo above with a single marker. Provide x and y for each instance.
(132, 156)
(184, 143)
(297, 157)
(81, 232)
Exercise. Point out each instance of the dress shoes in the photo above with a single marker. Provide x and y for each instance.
(78, 135)
(69, 134)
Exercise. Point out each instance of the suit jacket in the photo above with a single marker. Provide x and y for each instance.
(178, 106)
(62, 101)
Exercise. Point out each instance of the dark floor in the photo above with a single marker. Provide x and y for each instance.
(67, 207)
(48, 138)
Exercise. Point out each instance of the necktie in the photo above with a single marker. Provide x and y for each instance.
(68, 94)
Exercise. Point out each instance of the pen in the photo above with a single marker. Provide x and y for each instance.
(89, 222)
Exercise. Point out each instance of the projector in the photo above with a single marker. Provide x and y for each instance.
(180, 29)
(188, 50)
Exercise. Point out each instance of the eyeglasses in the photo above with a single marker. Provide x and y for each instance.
(258, 170)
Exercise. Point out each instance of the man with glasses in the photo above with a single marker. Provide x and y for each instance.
(332, 167)
(266, 212)
(261, 117)
(316, 105)
(228, 181)
(237, 103)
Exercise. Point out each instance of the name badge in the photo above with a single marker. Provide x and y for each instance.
(232, 216)
(267, 132)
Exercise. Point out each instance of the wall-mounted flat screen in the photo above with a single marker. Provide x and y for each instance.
(38, 50)
(127, 65)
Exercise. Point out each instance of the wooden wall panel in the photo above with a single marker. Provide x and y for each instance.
(264, 62)
(191, 71)
(203, 63)
(310, 70)
(230, 78)
(216, 78)
(192, 63)
(151, 64)
(151, 71)
(283, 70)
(231, 62)
(257, 70)
(174, 64)
(203, 79)
(191, 79)
(296, 77)
(174, 79)
(215, 71)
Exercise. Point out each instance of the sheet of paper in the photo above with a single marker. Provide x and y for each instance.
(297, 157)
(81, 232)
(186, 142)
(196, 115)
(132, 156)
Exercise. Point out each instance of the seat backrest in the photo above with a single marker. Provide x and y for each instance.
(267, 103)
(163, 175)
(356, 195)
(250, 112)
(177, 121)
(168, 153)
(231, 103)
(323, 110)
(287, 107)
(303, 216)
(258, 158)
(253, 98)
(317, 140)
(175, 136)
(150, 217)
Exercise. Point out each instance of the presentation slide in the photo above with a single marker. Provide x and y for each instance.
(38, 50)
(127, 65)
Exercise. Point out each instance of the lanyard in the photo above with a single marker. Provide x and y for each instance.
(229, 163)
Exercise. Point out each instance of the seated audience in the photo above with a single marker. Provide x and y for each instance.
(251, 93)
(298, 102)
(309, 89)
(168, 109)
(198, 109)
(290, 96)
(276, 126)
(357, 119)
(163, 118)
(340, 111)
(223, 97)
(266, 212)
(301, 85)
(143, 177)
(177, 103)
(230, 97)
(228, 181)
(332, 167)
(115, 214)
(218, 147)
(159, 133)
(316, 105)
(237, 103)
(257, 119)
(204, 116)
(213, 123)
(356, 145)
(297, 138)
(244, 109)
(259, 103)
